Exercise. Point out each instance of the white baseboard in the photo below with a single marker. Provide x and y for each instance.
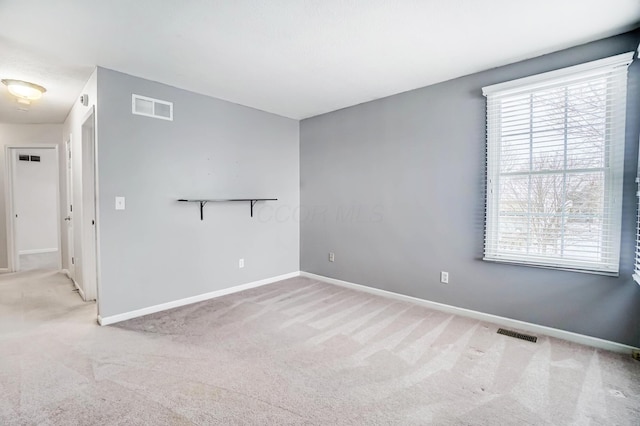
(38, 251)
(495, 319)
(80, 292)
(112, 319)
(3, 270)
(75, 284)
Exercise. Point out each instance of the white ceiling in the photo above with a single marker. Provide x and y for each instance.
(296, 58)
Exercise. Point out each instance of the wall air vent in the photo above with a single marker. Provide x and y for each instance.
(149, 107)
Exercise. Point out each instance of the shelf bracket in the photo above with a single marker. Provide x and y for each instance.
(252, 202)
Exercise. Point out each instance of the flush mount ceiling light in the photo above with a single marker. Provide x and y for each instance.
(23, 90)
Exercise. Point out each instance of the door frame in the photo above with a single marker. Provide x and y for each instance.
(13, 258)
(68, 209)
(90, 293)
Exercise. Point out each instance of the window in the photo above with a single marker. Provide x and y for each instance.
(636, 267)
(555, 148)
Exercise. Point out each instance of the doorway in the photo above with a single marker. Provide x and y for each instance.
(69, 209)
(80, 209)
(88, 262)
(34, 208)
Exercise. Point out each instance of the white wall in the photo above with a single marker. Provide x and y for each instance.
(35, 200)
(22, 135)
(72, 128)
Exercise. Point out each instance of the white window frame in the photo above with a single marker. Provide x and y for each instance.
(613, 177)
(636, 258)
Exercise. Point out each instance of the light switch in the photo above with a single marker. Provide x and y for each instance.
(119, 203)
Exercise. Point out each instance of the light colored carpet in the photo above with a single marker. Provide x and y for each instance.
(294, 352)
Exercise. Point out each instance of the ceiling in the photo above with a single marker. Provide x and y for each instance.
(296, 58)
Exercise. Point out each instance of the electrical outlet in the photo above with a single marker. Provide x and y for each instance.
(241, 263)
(635, 354)
(332, 256)
(444, 277)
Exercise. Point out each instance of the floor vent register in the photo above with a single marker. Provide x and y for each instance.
(517, 335)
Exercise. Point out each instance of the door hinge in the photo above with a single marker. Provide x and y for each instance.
(73, 260)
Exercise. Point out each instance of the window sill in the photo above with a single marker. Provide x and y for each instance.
(556, 268)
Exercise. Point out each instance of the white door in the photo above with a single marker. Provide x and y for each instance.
(69, 211)
(34, 180)
(89, 246)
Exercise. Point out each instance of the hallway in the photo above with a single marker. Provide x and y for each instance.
(43, 325)
(35, 301)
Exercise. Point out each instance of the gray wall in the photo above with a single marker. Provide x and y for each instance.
(158, 250)
(395, 187)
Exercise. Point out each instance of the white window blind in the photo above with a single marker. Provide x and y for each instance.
(555, 148)
(636, 268)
